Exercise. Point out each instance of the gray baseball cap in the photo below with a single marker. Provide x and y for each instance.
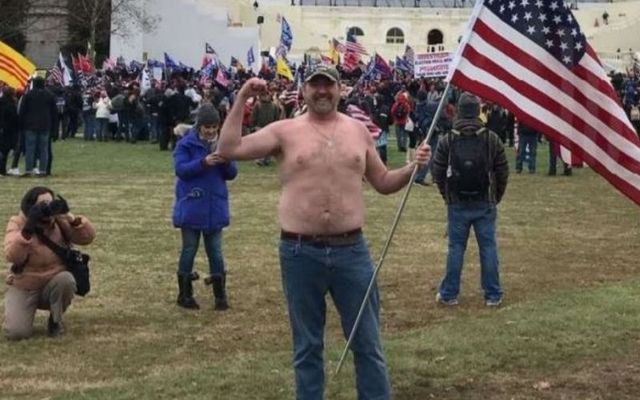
(324, 70)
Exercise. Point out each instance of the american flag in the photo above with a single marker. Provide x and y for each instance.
(356, 112)
(531, 57)
(55, 75)
(352, 45)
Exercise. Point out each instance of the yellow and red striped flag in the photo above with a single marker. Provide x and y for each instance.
(15, 69)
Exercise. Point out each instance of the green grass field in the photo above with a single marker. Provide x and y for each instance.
(569, 327)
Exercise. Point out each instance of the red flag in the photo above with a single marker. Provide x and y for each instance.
(531, 58)
(85, 63)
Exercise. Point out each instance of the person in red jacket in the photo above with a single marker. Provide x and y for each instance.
(37, 278)
(400, 111)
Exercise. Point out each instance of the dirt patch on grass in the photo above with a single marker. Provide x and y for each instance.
(589, 380)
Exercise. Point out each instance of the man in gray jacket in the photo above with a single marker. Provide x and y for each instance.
(471, 171)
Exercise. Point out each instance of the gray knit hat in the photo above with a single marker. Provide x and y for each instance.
(207, 115)
(468, 106)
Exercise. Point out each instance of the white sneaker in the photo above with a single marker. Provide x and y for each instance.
(35, 171)
(14, 172)
(451, 302)
(493, 303)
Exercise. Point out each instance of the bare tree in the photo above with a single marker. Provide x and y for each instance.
(100, 18)
(13, 17)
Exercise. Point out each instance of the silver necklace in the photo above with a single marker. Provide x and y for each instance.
(329, 140)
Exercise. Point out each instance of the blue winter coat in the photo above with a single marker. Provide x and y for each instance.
(202, 198)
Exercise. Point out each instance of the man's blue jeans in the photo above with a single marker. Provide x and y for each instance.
(154, 128)
(102, 128)
(461, 217)
(309, 272)
(401, 138)
(212, 245)
(36, 147)
(530, 141)
(89, 120)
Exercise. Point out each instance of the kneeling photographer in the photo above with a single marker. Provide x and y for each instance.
(35, 242)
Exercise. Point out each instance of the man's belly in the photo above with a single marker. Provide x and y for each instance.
(320, 210)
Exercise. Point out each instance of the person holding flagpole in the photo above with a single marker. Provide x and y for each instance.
(323, 157)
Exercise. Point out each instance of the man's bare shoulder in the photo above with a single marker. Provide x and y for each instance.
(285, 126)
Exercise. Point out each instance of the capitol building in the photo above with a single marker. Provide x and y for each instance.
(236, 27)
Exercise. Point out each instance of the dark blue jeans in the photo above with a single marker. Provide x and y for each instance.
(461, 217)
(212, 245)
(36, 147)
(308, 274)
(102, 128)
(530, 142)
(89, 120)
(124, 130)
(154, 128)
(401, 138)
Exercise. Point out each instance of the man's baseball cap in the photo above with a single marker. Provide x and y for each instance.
(324, 70)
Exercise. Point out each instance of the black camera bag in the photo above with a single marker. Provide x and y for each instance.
(76, 262)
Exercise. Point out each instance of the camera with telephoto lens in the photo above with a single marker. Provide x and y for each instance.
(58, 206)
(46, 210)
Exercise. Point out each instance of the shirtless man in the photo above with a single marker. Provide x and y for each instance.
(323, 156)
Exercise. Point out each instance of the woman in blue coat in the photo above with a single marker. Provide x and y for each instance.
(202, 204)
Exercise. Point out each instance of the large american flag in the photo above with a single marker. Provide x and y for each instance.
(531, 57)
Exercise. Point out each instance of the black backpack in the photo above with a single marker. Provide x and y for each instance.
(468, 173)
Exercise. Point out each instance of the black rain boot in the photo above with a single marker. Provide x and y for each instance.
(185, 295)
(54, 329)
(218, 282)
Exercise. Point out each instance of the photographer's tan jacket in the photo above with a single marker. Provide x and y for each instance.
(41, 263)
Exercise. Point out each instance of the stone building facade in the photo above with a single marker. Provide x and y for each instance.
(46, 30)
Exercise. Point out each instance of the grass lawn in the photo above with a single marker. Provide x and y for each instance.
(569, 327)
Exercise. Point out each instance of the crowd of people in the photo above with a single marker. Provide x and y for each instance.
(114, 107)
(322, 156)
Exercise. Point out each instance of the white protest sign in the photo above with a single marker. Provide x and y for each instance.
(431, 65)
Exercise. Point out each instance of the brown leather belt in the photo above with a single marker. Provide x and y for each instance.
(335, 239)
